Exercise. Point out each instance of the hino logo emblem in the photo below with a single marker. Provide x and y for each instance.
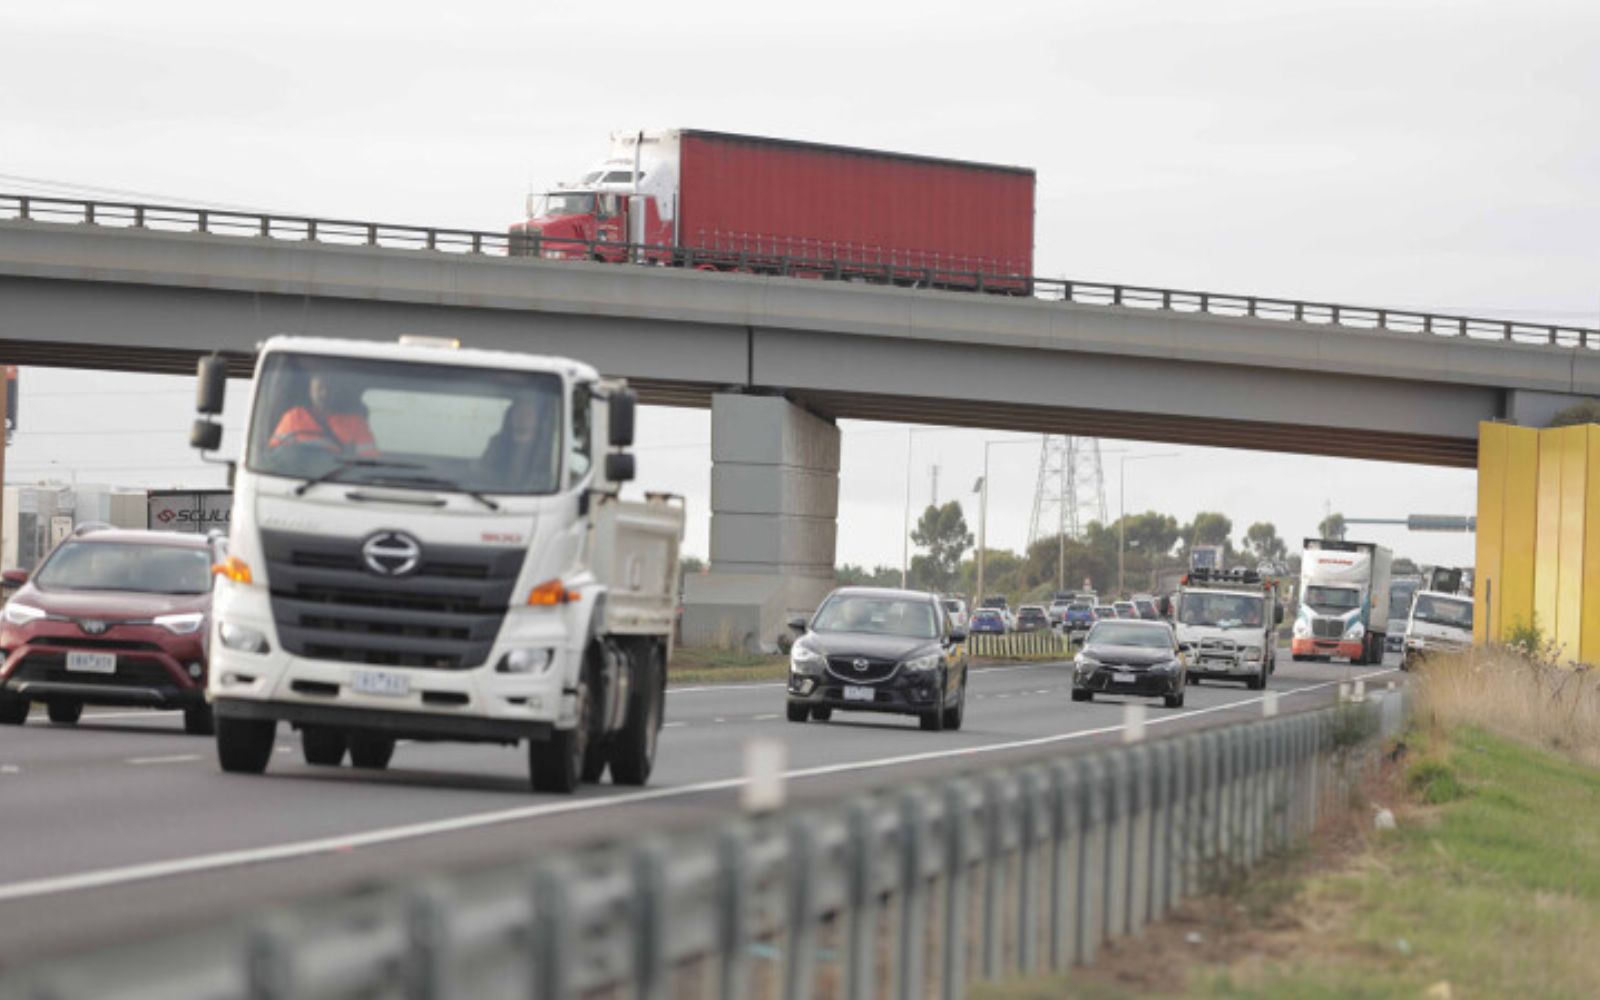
(860, 665)
(391, 553)
(92, 627)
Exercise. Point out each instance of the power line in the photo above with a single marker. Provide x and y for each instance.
(73, 186)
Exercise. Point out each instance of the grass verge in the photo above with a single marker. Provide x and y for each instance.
(1490, 887)
(715, 666)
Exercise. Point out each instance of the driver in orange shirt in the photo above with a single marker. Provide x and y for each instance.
(318, 424)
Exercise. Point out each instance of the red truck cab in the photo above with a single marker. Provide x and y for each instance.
(591, 224)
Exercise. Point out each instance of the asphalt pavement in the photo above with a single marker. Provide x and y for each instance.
(122, 826)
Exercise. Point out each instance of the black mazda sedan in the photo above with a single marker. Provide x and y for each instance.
(1130, 657)
(875, 650)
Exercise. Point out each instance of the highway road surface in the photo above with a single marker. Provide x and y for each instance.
(122, 826)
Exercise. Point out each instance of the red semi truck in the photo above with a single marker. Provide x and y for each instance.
(718, 201)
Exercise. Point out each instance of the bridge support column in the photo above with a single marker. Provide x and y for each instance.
(774, 521)
(1538, 559)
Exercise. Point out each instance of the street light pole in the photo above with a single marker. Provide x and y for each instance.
(905, 533)
(1122, 509)
(983, 510)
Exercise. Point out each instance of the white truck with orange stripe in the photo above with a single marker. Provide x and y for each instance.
(440, 552)
(1344, 601)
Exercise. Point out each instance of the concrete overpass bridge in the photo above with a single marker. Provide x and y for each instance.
(778, 359)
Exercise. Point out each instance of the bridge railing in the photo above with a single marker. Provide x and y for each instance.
(917, 891)
(752, 254)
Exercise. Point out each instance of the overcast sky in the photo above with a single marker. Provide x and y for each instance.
(1437, 155)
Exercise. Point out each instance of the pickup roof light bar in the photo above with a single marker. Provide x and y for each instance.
(1233, 577)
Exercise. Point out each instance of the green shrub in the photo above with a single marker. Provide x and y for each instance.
(1435, 782)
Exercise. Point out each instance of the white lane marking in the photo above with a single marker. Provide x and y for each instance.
(10, 769)
(767, 718)
(286, 749)
(673, 725)
(103, 877)
(719, 720)
(98, 716)
(176, 758)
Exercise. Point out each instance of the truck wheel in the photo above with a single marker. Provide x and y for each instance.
(556, 765)
(371, 750)
(245, 745)
(1258, 680)
(633, 751)
(64, 712)
(198, 721)
(323, 746)
(13, 710)
(1082, 694)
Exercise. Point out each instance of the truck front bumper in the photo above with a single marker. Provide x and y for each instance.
(1348, 648)
(401, 725)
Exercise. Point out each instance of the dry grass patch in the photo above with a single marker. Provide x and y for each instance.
(1522, 696)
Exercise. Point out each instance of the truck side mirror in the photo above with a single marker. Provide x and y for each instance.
(211, 384)
(205, 435)
(1277, 614)
(620, 419)
(619, 467)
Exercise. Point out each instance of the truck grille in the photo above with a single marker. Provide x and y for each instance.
(844, 668)
(444, 615)
(1327, 628)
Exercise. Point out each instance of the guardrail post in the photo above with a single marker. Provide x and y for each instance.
(800, 961)
(1215, 775)
(1092, 875)
(203, 220)
(269, 960)
(1031, 790)
(1118, 854)
(477, 243)
(88, 212)
(426, 971)
(372, 235)
(1066, 839)
(953, 972)
(553, 933)
(913, 905)
(733, 909)
(859, 959)
(649, 914)
(1160, 829)
(1205, 301)
(1140, 834)
(24, 207)
(993, 877)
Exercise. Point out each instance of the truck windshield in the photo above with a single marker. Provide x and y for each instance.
(564, 203)
(1443, 611)
(403, 424)
(1220, 610)
(1333, 600)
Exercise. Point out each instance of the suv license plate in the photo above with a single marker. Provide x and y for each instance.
(92, 663)
(384, 682)
(858, 694)
(1123, 678)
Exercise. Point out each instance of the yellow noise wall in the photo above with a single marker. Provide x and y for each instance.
(1538, 557)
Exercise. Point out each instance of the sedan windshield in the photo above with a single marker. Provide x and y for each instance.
(1128, 634)
(360, 420)
(142, 569)
(874, 615)
(1220, 610)
(1443, 611)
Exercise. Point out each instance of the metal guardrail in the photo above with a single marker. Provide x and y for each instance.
(755, 253)
(1044, 642)
(911, 893)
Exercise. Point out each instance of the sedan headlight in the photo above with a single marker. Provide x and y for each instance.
(1355, 631)
(805, 660)
(22, 614)
(923, 664)
(184, 624)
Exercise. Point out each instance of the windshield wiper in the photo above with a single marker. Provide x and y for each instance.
(436, 481)
(351, 463)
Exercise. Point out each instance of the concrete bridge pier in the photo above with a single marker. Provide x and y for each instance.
(774, 522)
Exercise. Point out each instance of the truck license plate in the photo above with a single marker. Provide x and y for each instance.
(92, 663)
(1122, 678)
(384, 682)
(858, 694)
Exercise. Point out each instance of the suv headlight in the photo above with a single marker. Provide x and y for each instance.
(22, 614)
(1355, 631)
(805, 660)
(184, 624)
(923, 664)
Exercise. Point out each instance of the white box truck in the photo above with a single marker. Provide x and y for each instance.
(1344, 601)
(428, 543)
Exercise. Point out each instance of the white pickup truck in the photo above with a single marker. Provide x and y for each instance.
(428, 543)
(1226, 622)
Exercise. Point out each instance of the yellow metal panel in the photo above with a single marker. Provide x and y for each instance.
(1487, 570)
(1589, 647)
(1567, 629)
(1519, 529)
(1547, 541)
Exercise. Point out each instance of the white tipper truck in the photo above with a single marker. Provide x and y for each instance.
(428, 543)
(1344, 601)
(1226, 622)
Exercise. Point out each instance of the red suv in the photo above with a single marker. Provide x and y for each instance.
(111, 618)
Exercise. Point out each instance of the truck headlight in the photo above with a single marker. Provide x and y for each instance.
(922, 664)
(1355, 631)
(242, 638)
(527, 661)
(1252, 654)
(805, 660)
(1302, 628)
